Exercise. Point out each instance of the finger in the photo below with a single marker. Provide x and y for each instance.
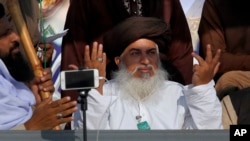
(46, 83)
(94, 51)
(68, 111)
(36, 80)
(47, 88)
(217, 56)
(104, 56)
(64, 120)
(216, 68)
(44, 102)
(70, 106)
(209, 55)
(47, 72)
(195, 67)
(65, 109)
(46, 46)
(198, 58)
(60, 101)
(86, 54)
(46, 77)
(73, 67)
(41, 45)
(49, 46)
(100, 51)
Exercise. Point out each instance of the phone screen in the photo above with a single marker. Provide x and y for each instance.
(79, 79)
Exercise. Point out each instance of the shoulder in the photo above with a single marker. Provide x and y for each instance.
(172, 83)
(173, 87)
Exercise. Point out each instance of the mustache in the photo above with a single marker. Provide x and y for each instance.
(143, 67)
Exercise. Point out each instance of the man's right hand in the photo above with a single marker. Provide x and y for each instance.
(45, 115)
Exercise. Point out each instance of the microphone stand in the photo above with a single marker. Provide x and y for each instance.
(84, 107)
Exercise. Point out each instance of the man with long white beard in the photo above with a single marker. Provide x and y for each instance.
(140, 96)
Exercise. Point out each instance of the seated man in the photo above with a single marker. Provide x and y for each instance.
(140, 96)
(16, 99)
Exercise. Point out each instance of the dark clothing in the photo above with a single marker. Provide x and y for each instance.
(225, 24)
(88, 20)
(240, 101)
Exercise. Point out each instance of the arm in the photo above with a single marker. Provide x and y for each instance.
(205, 111)
(203, 103)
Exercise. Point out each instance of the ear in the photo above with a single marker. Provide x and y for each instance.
(117, 60)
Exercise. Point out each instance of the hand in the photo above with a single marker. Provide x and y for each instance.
(206, 69)
(45, 114)
(43, 83)
(45, 54)
(91, 60)
(96, 60)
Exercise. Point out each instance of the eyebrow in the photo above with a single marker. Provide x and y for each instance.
(137, 49)
(150, 48)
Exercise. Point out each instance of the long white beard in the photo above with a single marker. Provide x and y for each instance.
(139, 88)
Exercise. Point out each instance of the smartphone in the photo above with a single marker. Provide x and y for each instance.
(79, 79)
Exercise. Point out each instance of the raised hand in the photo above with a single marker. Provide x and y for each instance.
(96, 59)
(206, 69)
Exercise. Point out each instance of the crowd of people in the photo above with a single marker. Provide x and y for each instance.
(144, 50)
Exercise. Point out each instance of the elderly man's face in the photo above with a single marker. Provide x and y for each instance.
(140, 58)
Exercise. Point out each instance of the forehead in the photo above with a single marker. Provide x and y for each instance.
(4, 25)
(141, 44)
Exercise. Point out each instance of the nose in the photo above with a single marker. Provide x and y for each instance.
(145, 59)
(14, 37)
